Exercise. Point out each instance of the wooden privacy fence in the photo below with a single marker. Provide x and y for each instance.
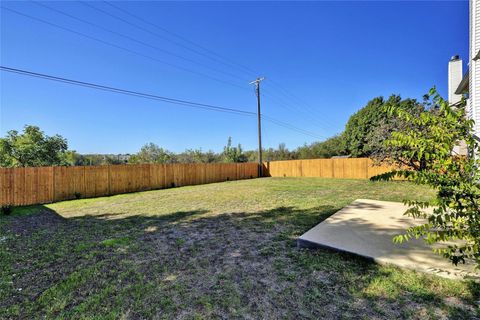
(343, 168)
(25, 186)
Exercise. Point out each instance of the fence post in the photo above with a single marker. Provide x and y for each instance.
(366, 168)
(109, 180)
(53, 183)
(84, 186)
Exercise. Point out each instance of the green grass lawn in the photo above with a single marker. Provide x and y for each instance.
(224, 250)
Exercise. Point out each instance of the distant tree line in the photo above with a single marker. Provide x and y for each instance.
(151, 153)
(364, 136)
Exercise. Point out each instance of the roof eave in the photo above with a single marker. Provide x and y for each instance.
(477, 56)
(463, 85)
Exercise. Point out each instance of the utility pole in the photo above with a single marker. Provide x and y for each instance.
(259, 119)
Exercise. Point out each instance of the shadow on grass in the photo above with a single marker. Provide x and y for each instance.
(196, 249)
(39, 216)
(386, 291)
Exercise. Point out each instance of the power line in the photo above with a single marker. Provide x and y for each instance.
(128, 92)
(123, 48)
(278, 122)
(310, 116)
(297, 110)
(225, 61)
(292, 127)
(157, 97)
(307, 108)
(307, 114)
(131, 38)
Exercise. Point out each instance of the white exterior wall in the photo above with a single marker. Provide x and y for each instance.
(474, 74)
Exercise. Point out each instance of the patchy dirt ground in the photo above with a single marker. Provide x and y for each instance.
(223, 250)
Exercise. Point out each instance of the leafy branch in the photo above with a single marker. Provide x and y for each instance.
(426, 157)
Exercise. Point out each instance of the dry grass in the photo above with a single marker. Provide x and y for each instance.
(224, 250)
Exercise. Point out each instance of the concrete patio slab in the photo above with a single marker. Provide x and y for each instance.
(366, 228)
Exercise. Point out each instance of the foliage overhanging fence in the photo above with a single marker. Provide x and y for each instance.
(340, 168)
(26, 186)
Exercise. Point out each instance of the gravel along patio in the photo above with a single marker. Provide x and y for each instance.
(223, 250)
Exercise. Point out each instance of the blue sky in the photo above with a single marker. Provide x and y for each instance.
(322, 62)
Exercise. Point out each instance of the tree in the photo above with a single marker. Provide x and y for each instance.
(112, 160)
(197, 156)
(233, 154)
(32, 148)
(334, 146)
(73, 158)
(366, 130)
(455, 211)
(282, 153)
(152, 153)
(271, 154)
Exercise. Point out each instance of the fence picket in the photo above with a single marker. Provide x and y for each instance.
(27, 186)
(348, 168)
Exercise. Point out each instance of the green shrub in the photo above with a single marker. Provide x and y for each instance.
(6, 209)
(425, 157)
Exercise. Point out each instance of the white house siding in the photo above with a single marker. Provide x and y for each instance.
(474, 74)
(469, 109)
